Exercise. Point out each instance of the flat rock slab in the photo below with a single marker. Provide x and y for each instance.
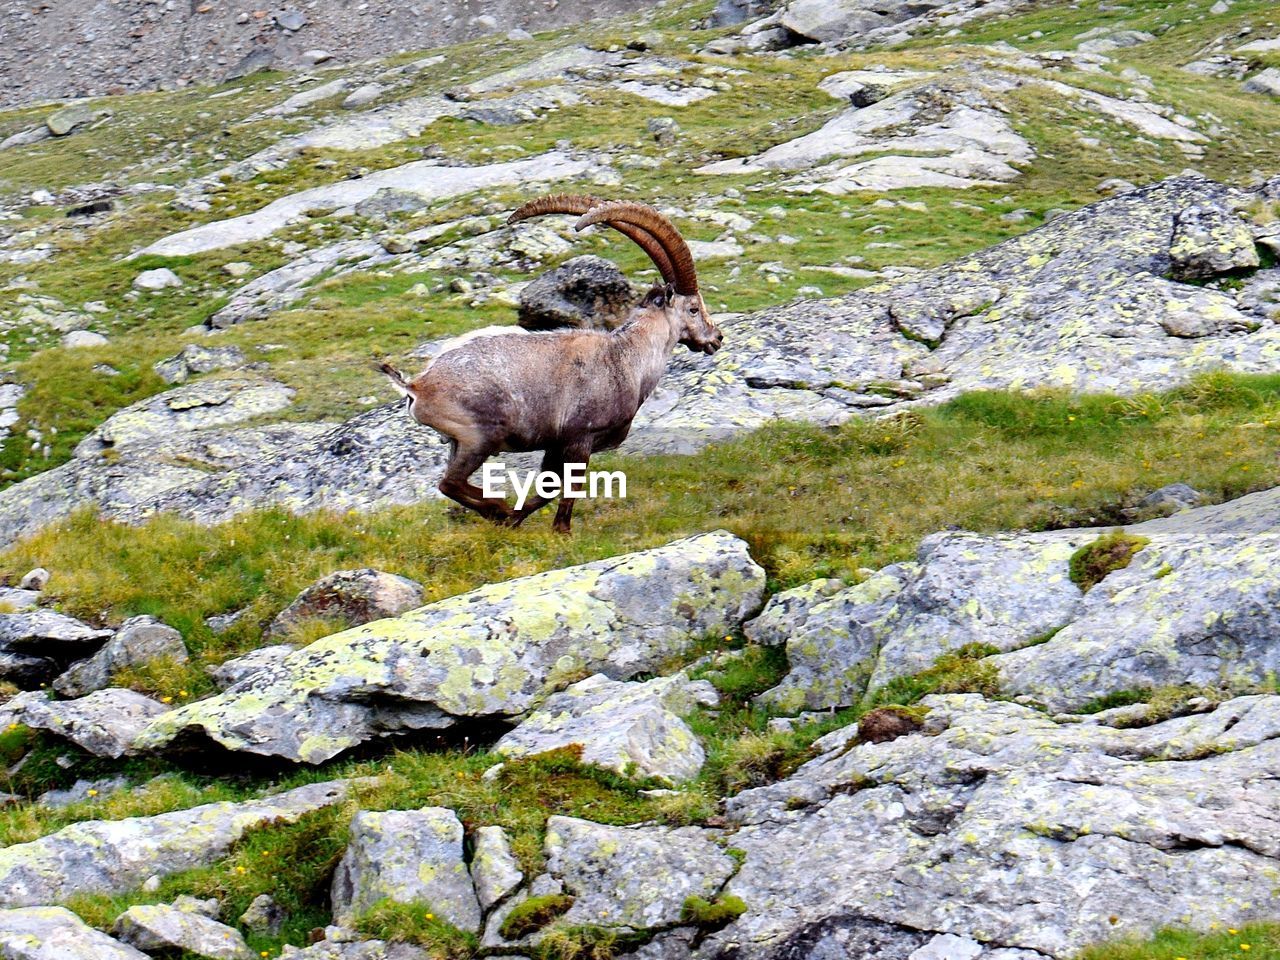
(631, 728)
(406, 856)
(196, 406)
(104, 723)
(496, 651)
(116, 856)
(55, 933)
(1011, 832)
(425, 178)
(158, 927)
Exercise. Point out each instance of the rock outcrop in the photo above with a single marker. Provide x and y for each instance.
(55, 933)
(352, 596)
(1193, 607)
(113, 857)
(495, 652)
(139, 640)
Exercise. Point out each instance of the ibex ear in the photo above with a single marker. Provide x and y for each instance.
(670, 292)
(658, 296)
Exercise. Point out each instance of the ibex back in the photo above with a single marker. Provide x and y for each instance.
(569, 393)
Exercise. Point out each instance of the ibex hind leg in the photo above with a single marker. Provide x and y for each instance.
(457, 485)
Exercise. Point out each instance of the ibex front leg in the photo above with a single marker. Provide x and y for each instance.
(457, 485)
(580, 453)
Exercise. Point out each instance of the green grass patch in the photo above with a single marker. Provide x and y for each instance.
(533, 914)
(712, 914)
(1093, 562)
(419, 925)
(1256, 941)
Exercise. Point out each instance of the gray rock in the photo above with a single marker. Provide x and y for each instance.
(787, 610)
(426, 178)
(664, 129)
(496, 651)
(255, 661)
(356, 950)
(139, 640)
(363, 95)
(943, 838)
(161, 278)
(24, 138)
(632, 877)
(55, 933)
(1208, 241)
(406, 856)
(64, 121)
(37, 645)
(36, 579)
(1265, 81)
(156, 927)
(586, 292)
(728, 13)
(255, 61)
(83, 338)
(16, 600)
(631, 728)
(194, 406)
(384, 203)
(81, 791)
(197, 358)
(290, 19)
(354, 597)
(105, 723)
(115, 857)
(495, 871)
(1172, 498)
(263, 916)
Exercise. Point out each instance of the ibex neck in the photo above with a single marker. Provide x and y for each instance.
(648, 342)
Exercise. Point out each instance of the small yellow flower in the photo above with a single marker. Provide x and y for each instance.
(93, 793)
(1232, 931)
(1071, 419)
(240, 870)
(1246, 946)
(166, 699)
(13, 726)
(266, 853)
(431, 916)
(183, 693)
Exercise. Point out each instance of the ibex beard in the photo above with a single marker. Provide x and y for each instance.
(568, 393)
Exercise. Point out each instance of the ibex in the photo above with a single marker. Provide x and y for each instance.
(569, 393)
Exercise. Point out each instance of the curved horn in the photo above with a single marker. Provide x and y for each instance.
(580, 203)
(662, 229)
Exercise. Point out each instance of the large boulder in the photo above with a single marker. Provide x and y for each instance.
(586, 292)
(197, 358)
(160, 928)
(104, 723)
(117, 856)
(494, 652)
(55, 933)
(1192, 604)
(139, 640)
(351, 596)
(406, 856)
(997, 833)
(631, 728)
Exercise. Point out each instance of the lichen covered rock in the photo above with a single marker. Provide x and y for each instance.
(496, 651)
(406, 856)
(139, 640)
(632, 728)
(157, 927)
(353, 596)
(55, 933)
(1010, 832)
(104, 723)
(116, 856)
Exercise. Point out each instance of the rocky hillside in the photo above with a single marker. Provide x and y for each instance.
(939, 622)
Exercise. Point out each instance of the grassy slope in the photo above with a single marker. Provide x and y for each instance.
(868, 491)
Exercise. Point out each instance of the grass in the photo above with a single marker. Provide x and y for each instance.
(1093, 562)
(533, 914)
(712, 914)
(1257, 941)
(418, 924)
(869, 491)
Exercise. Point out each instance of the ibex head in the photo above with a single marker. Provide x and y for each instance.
(659, 238)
